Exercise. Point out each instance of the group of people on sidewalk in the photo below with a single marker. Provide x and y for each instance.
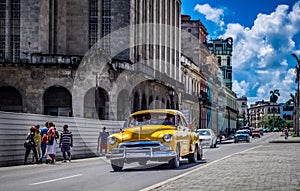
(43, 143)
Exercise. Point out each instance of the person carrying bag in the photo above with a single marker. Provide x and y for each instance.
(30, 145)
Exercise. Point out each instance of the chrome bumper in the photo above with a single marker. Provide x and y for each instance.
(132, 152)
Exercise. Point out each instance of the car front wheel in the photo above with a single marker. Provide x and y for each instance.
(117, 165)
(175, 162)
(193, 156)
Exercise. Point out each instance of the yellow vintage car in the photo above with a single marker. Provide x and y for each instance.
(154, 135)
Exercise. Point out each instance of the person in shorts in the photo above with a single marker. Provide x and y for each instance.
(66, 142)
(102, 140)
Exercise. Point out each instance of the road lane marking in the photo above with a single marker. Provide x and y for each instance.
(194, 170)
(53, 180)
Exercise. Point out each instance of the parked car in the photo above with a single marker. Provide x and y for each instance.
(256, 133)
(247, 128)
(154, 135)
(261, 132)
(266, 130)
(207, 137)
(241, 135)
(275, 129)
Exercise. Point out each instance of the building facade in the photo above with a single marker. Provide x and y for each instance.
(243, 111)
(262, 110)
(223, 50)
(75, 57)
(218, 111)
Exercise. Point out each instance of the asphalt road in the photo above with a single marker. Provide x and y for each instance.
(96, 173)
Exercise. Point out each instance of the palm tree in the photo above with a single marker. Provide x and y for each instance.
(274, 94)
(292, 100)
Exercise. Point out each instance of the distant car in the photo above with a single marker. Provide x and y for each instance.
(261, 131)
(207, 137)
(247, 128)
(256, 133)
(266, 130)
(276, 129)
(242, 135)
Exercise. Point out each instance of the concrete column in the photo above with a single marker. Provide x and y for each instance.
(8, 31)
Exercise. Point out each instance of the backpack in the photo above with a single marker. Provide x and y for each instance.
(44, 138)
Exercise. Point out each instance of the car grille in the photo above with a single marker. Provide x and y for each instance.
(140, 144)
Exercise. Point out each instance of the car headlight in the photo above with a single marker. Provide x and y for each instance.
(112, 140)
(167, 138)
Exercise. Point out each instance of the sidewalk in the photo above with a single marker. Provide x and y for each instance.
(289, 140)
(267, 167)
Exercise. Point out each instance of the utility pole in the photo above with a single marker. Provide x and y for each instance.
(297, 102)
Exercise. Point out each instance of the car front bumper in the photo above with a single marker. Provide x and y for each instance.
(134, 152)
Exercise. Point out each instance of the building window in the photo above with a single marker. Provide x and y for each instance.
(53, 26)
(229, 75)
(219, 60)
(15, 30)
(228, 61)
(93, 22)
(106, 22)
(2, 29)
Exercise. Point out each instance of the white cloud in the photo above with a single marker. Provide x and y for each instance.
(212, 14)
(264, 45)
(261, 52)
(240, 88)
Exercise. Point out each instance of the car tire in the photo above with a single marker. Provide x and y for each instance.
(142, 162)
(200, 152)
(193, 156)
(117, 165)
(175, 161)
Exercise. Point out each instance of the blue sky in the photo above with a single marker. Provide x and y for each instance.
(265, 33)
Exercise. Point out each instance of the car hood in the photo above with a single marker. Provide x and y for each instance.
(144, 133)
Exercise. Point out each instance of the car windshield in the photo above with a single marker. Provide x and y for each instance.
(152, 119)
(203, 132)
(242, 132)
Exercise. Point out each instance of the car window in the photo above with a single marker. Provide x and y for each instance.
(204, 132)
(151, 119)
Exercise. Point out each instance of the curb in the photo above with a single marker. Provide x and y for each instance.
(286, 141)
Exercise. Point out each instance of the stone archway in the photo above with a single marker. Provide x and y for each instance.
(122, 105)
(10, 99)
(96, 104)
(57, 101)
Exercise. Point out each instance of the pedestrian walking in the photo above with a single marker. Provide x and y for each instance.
(44, 139)
(30, 144)
(37, 137)
(52, 136)
(102, 140)
(286, 133)
(66, 142)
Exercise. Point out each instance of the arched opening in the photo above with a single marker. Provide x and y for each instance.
(136, 102)
(150, 101)
(96, 104)
(10, 99)
(144, 102)
(57, 101)
(123, 108)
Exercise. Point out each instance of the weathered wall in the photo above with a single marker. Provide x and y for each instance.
(15, 126)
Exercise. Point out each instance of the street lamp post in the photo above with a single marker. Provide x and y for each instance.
(298, 99)
(202, 98)
(171, 93)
